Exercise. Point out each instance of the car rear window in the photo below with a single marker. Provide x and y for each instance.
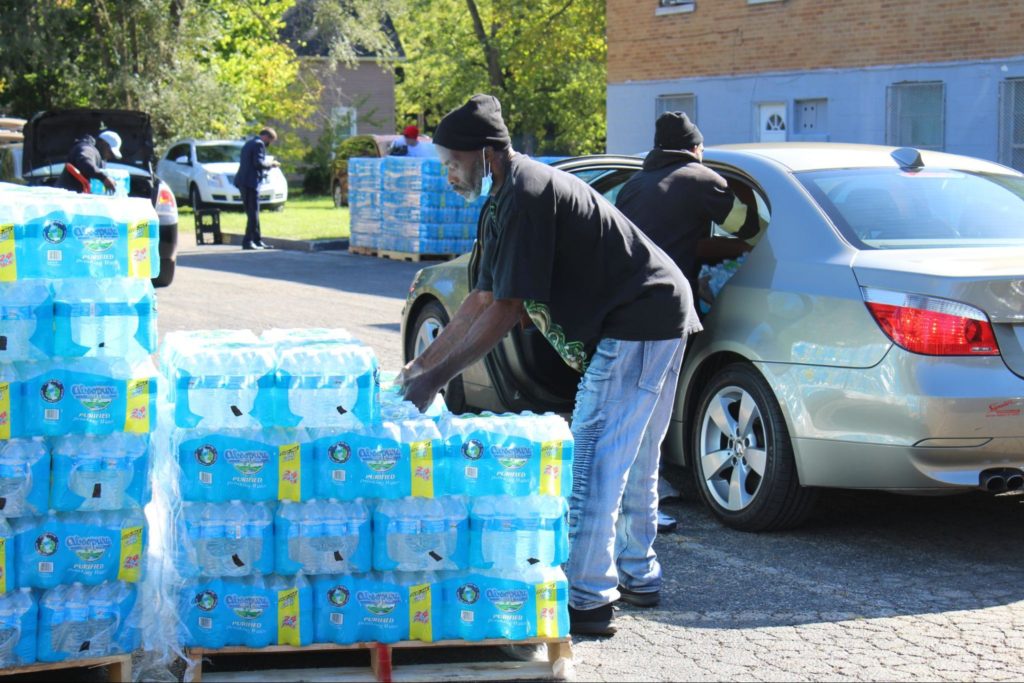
(213, 154)
(890, 208)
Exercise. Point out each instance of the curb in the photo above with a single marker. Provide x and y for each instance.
(292, 245)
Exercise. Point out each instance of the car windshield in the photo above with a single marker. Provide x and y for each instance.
(214, 154)
(891, 208)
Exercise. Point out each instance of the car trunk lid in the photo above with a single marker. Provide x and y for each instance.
(50, 135)
(990, 279)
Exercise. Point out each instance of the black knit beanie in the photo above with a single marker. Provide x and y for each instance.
(674, 130)
(474, 125)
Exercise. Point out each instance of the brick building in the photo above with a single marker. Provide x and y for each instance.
(936, 74)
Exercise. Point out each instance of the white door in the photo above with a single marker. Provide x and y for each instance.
(773, 124)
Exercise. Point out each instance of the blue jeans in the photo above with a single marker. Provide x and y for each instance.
(623, 407)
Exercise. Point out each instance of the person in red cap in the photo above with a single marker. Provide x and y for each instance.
(409, 144)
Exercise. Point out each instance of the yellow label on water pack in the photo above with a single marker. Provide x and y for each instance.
(289, 472)
(3, 566)
(5, 411)
(551, 468)
(547, 610)
(136, 419)
(130, 565)
(288, 617)
(421, 463)
(138, 250)
(421, 625)
(8, 261)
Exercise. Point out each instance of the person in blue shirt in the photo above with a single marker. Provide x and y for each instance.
(252, 170)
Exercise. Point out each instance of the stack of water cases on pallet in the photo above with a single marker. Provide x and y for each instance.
(315, 506)
(77, 399)
(364, 191)
(411, 208)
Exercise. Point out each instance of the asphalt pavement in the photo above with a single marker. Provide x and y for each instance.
(873, 587)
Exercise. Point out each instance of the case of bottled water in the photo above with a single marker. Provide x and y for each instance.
(24, 477)
(78, 621)
(89, 396)
(517, 455)
(383, 607)
(288, 338)
(121, 179)
(323, 537)
(26, 321)
(380, 460)
(421, 534)
(115, 318)
(319, 383)
(227, 539)
(512, 533)
(219, 381)
(515, 605)
(252, 465)
(255, 611)
(19, 614)
(108, 472)
(90, 547)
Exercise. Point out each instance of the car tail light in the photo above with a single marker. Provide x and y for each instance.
(931, 326)
(166, 198)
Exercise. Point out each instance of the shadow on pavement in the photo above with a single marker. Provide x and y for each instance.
(335, 270)
(860, 556)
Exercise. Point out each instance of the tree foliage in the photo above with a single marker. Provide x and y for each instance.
(544, 59)
(199, 67)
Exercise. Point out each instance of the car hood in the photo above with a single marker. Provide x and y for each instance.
(221, 167)
(50, 135)
(990, 278)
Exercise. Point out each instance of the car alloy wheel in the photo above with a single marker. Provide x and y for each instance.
(195, 200)
(743, 457)
(430, 321)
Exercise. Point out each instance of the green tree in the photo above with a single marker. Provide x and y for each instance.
(545, 61)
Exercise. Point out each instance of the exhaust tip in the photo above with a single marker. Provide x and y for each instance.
(1014, 482)
(995, 484)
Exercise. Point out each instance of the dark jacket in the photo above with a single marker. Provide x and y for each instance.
(674, 200)
(87, 159)
(253, 164)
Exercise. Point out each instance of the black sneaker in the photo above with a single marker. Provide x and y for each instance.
(666, 524)
(592, 622)
(652, 599)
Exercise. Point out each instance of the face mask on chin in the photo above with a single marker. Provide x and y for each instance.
(480, 178)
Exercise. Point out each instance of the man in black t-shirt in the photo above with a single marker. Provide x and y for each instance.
(612, 304)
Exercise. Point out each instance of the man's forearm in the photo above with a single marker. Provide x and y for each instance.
(488, 328)
(455, 330)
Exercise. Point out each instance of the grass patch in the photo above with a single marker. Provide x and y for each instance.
(303, 218)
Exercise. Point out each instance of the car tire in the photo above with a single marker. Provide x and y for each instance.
(739, 429)
(166, 276)
(339, 201)
(431, 319)
(195, 200)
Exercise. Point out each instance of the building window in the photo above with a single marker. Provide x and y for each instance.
(675, 6)
(345, 121)
(916, 115)
(810, 119)
(1011, 123)
(686, 103)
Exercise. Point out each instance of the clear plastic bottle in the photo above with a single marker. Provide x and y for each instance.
(104, 617)
(260, 531)
(311, 532)
(52, 624)
(25, 318)
(403, 531)
(19, 466)
(214, 545)
(77, 629)
(10, 628)
(237, 554)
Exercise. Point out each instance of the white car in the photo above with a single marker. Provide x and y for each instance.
(202, 173)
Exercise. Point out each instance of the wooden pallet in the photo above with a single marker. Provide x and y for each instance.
(119, 667)
(383, 666)
(412, 256)
(362, 251)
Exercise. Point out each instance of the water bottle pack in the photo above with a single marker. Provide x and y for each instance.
(322, 537)
(255, 611)
(385, 607)
(421, 534)
(77, 621)
(88, 396)
(90, 547)
(517, 455)
(250, 465)
(227, 539)
(513, 533)
(19, 615)
(319, 383)
(383, 460)
(515, 605)
(120, 178)
(26, 321)
(24, 477)
(58, 234)
(115, 318)
(100, 472)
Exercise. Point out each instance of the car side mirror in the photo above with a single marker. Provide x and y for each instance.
(182, 160)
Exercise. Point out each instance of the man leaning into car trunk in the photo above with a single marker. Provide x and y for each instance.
(614, 306)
